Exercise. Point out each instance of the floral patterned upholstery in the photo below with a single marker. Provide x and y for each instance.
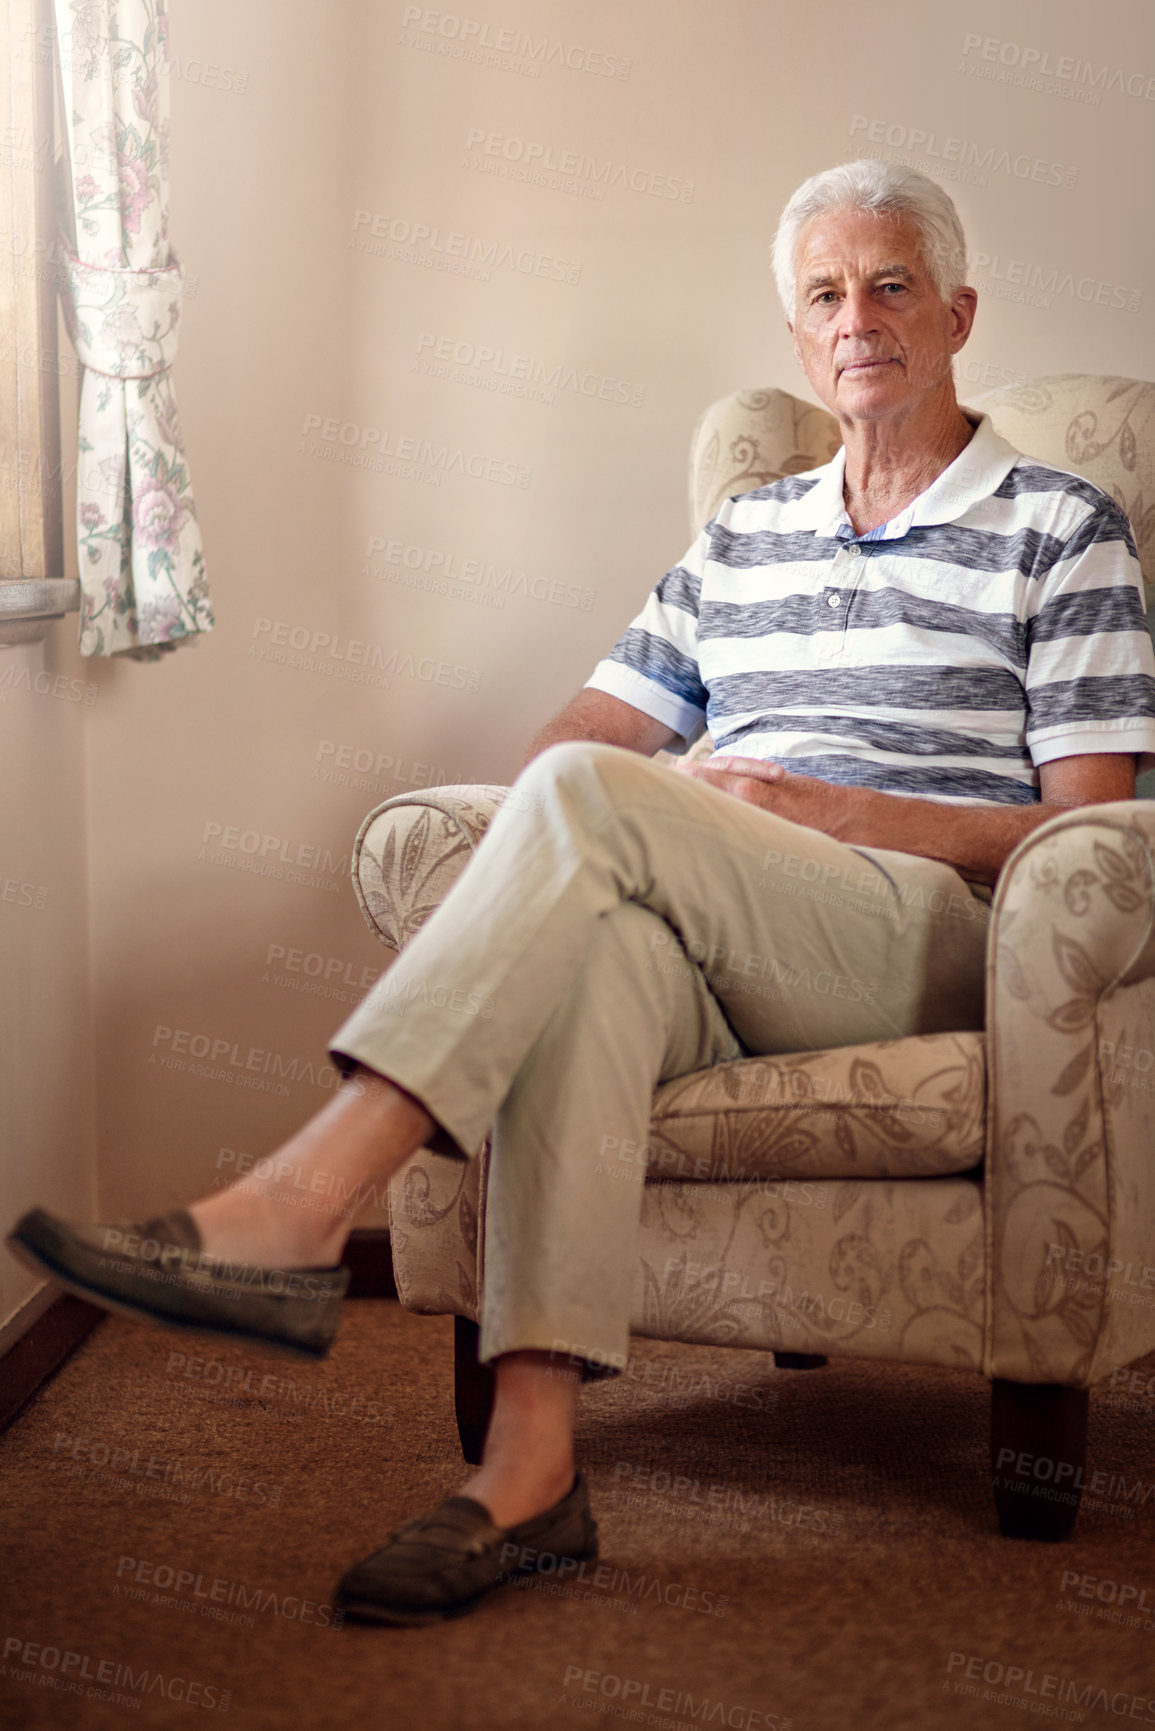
(1101, 428)
(893, 1109)
(1070, 1181)
(751, 438)
(404, 863)
(976, 1201)
(852, 1270)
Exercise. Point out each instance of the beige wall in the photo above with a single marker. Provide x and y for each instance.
(47, 1121)
(284, 129)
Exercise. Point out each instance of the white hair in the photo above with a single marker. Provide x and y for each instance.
(886, 189)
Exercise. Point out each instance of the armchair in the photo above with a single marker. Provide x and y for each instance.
(982, 1201)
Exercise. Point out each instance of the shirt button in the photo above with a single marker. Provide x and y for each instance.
(854, 550)
(833, 600)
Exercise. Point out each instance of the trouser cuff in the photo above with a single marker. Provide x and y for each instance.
(442, 1140)
(591, 1363)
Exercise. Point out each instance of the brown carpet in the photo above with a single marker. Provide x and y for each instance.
(814, 1546)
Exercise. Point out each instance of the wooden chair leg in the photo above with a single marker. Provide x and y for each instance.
(799, 1360)
(473, 1389)
(1038, 1454)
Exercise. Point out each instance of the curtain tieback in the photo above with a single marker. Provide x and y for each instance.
(123, 323)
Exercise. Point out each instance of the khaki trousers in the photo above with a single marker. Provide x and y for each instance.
(620, 924)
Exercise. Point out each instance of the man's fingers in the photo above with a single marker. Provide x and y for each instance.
(757, 768)
(751, 788)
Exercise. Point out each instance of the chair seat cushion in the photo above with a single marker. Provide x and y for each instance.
(912, 1108)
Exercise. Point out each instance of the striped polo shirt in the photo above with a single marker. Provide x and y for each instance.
(996, 624)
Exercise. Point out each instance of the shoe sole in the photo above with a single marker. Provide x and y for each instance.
(34, 1258)
(367, 1611)
(390, 1616)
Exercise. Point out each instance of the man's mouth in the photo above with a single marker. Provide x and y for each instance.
(868, 365)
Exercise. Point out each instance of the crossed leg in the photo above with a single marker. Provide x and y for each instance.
(548, 1123)
(366, 1133)
(603, 844)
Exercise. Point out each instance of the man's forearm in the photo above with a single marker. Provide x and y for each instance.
(560, 729)
(595, 716)
(976, 840)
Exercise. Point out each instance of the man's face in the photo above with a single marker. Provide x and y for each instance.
(870, 330)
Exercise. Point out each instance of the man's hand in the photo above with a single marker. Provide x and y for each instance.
(799, 798)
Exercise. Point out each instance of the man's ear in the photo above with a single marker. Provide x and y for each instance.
(963, 308)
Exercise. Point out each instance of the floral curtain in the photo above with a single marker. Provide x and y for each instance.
(142, 577)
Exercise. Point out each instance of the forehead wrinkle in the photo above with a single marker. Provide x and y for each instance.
(826, 278)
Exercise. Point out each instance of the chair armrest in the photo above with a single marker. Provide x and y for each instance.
(411, 850)
(1070, 1180)
(437, 1233)
(408, 854)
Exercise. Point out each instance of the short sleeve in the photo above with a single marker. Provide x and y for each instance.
(1090, 676)
(654, 663)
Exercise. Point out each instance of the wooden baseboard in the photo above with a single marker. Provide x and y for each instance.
(369, 1259)
(31, 1360)
(67, 1322)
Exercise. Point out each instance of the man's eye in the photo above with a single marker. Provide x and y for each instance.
(901, 286)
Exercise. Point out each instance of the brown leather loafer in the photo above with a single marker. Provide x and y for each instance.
(443, 1564)
(156, 1269)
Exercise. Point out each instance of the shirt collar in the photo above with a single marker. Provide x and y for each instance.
(974, 475)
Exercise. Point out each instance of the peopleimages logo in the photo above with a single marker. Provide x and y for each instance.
(25, 894)
(1067, 70)
(501, 47)
(44, 684)
(316, 966)
(352, 658)
(632, 1693)
(75, 1673)
(150, 1582)
(566, 170)
(605, 1579)
(731, 1284)
(1017, 279)
(166, 1470)
(489, 368)
(481, 580)
(1108, 1592)
(402, 454)
(449, 250)
(1017, 1683)
(956, 156)
(1059, 1481)
(226, 1059)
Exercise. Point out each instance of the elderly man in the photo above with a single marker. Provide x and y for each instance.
(907, 660)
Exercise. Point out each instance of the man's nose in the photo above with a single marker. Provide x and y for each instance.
(858, 315)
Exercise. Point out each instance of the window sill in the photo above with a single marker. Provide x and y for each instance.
(28, 605)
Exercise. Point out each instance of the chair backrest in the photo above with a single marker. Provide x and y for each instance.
(1100, 428)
